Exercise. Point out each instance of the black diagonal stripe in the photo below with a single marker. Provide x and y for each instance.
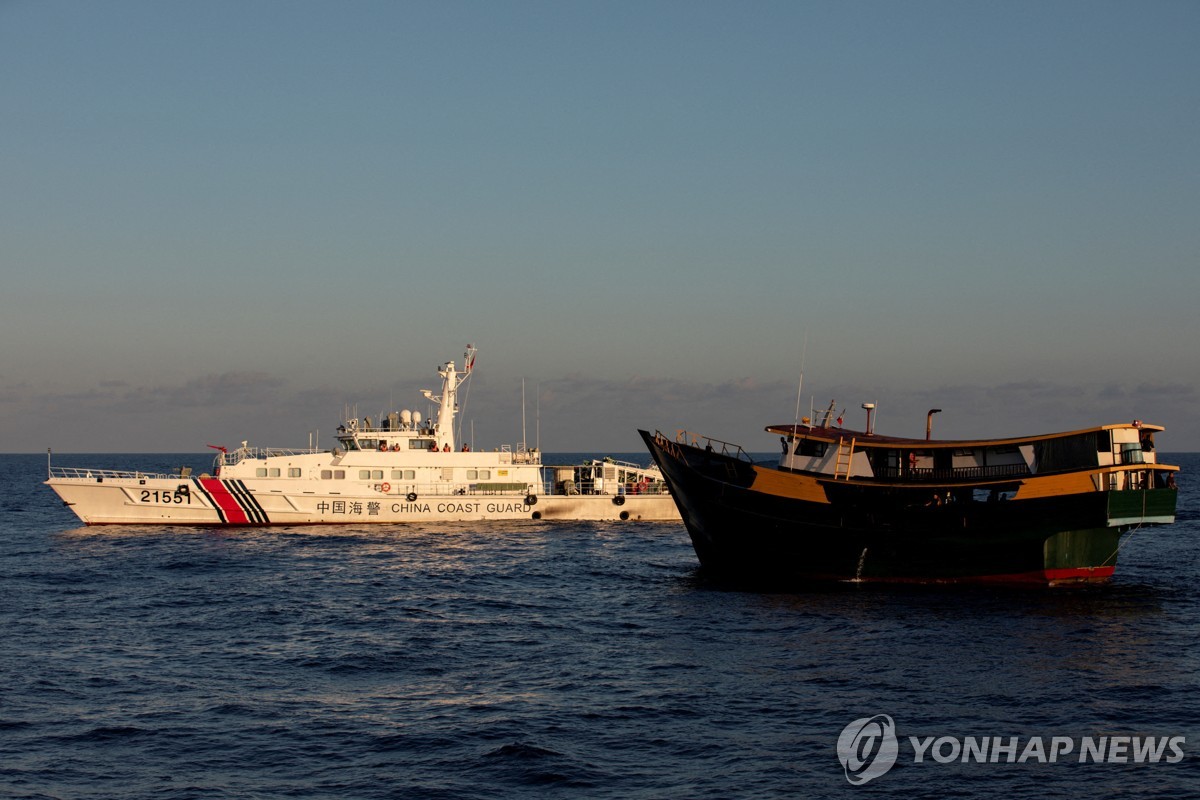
(248, 502)
(216, 506)
(238, 493)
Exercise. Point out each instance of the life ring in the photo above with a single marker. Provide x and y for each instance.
(385, 487)
(412, 497)
(619, 500)
(531, 499)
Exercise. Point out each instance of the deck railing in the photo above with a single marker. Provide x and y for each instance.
(113, 474)
(396, 489)
(242, 453)
(926, 474)
(711, 445)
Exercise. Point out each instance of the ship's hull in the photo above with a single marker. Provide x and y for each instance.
(757, 523)
(215, 501)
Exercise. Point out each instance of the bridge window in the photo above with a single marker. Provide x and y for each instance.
(807, 447)
(1066, 453)
(1131, 453)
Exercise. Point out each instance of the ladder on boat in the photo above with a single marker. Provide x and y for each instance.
(845, 456)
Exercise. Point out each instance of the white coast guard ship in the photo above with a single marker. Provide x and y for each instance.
(403, 469)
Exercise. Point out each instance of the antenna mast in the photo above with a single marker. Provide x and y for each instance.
(800, 387)
(468, 370)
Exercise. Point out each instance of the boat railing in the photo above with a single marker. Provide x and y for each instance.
(521, 455)
(100, 475)
(711, 445)
(422, 430)
(545, 487)
(247, 453)
(629, 488)
(608, 461)
(932, 474)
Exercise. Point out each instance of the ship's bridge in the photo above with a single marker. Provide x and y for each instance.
(397, 432)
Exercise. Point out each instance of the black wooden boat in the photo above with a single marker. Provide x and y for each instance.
(845, 505)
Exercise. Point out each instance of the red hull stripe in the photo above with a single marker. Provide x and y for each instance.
(246, 500)
(1077, 573)
(1059, 575)
(1040, 576)
(227, 505)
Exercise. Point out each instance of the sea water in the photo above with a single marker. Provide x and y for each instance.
(538, 659)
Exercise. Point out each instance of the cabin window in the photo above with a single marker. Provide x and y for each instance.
(261, 472)
(404, 474)
(326, 474)
(293, 472)
(479, 474)
(1066, 453)
(807, 447)
(1131, 453)
(339, 474)
(376, 474)
(370, 474)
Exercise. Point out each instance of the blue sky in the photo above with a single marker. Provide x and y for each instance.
(228, 220)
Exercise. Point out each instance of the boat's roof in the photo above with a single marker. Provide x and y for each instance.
(833, 434)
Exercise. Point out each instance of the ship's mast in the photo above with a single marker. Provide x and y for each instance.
(448, 400)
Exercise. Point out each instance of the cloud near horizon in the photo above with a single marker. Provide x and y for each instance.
(574, 413)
